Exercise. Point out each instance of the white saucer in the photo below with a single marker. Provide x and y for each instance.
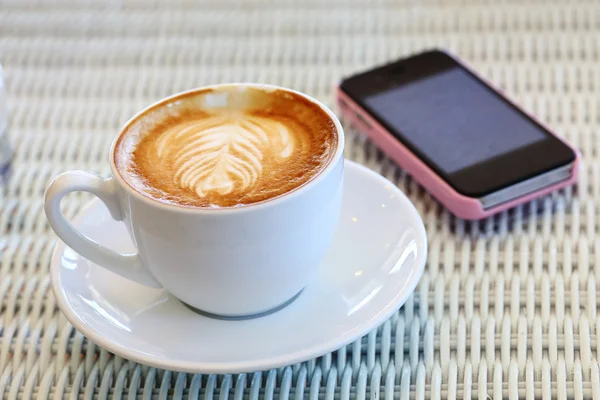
(374, 264)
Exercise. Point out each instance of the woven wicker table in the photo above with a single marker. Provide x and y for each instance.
(507, 307)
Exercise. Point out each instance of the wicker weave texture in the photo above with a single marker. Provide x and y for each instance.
(507, 307)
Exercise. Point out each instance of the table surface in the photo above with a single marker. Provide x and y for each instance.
(507, 307)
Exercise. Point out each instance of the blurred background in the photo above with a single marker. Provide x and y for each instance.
(75, 71)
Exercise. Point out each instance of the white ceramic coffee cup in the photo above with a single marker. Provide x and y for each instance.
(230, 262)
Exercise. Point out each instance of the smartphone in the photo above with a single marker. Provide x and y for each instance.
(472, 148)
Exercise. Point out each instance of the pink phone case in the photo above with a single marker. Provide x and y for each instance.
(460, 205)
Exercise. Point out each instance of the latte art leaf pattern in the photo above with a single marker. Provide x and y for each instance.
(223, 154)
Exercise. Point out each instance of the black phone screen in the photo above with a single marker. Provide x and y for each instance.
(463, 129)
(454, 120)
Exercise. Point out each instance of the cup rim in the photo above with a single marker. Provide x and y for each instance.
(287, 196)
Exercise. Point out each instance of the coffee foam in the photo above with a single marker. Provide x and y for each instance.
(225, 147)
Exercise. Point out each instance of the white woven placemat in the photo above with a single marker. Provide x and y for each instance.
(507, 307)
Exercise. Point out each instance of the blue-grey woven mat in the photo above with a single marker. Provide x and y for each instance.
(507, 308)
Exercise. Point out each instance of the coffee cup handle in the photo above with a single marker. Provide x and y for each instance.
(127, 265)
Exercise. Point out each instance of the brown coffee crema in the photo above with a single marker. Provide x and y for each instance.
(225, 147)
